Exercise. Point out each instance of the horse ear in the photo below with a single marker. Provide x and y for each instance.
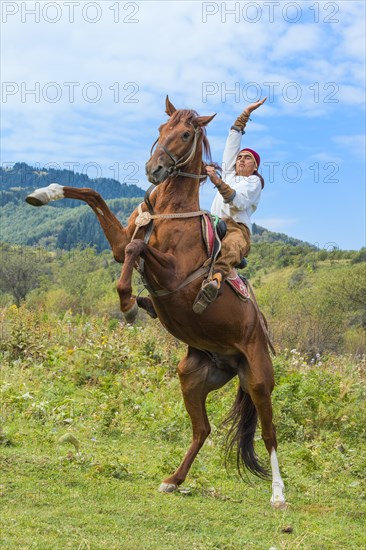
(204, 120)
(169, 107)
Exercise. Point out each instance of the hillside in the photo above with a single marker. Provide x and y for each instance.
(21, 179)
(63, 228)
(66, 224)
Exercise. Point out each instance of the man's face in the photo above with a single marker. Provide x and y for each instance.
(245, 165)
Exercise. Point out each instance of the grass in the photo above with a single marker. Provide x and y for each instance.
(93, 421)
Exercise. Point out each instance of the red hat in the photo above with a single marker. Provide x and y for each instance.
(255, 155)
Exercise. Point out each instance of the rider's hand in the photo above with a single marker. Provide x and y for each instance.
(211, 172)
(253, 106)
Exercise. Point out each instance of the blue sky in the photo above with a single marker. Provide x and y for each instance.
(84, 85)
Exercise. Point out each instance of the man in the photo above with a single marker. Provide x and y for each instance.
(237, 197)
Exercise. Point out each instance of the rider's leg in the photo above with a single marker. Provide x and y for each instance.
(234, 247)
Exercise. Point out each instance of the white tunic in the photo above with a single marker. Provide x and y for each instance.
(248, 188)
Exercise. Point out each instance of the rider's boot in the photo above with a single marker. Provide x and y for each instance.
(208, 293)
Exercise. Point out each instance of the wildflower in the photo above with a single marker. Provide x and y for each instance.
(27, 396)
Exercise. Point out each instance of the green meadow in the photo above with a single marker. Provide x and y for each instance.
(92, 420)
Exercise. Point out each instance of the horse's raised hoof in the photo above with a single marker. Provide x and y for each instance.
(131, 314)
(44, 195)
(168, 487)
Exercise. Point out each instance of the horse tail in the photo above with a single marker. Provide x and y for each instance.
(243, 420)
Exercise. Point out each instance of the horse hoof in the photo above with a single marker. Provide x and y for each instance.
(146, 304)
(131, 314)
(44, 195)
(279, 504)
(168, 487)
(34, 201)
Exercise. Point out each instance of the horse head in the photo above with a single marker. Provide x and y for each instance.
(179, 144)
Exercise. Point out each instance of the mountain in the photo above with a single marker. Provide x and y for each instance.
(67, 223)
(63, 224)
(262, 235)
(17, 182)
(64, 228)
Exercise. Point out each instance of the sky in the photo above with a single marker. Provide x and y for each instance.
(84, 86)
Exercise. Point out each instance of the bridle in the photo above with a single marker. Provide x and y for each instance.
(174, 171)
(146, 218)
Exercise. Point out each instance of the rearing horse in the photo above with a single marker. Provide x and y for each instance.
(228, 339)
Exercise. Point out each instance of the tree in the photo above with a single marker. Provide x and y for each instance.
(20, 271)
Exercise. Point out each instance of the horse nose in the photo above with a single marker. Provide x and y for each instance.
(154, 176)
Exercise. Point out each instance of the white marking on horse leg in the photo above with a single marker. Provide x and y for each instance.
(44, 195)
(167, 487)
(278, 498)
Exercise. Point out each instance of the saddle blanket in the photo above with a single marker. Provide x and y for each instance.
(208, 233)
(239, 285)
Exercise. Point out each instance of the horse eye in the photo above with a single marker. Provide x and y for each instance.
(186, 135)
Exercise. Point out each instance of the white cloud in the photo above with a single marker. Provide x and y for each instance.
(297, 39)
(325, 156)
(171, 50)
(351, 29)
(354, 145)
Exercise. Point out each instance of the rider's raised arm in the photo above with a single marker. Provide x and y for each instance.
(232, 148)
(233, 142)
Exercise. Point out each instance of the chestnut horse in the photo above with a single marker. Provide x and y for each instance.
(228, 338)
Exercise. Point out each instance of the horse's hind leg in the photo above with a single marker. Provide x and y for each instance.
(257, 379)
(198, 376)
(116, 235)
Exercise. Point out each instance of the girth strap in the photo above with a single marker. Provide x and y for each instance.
(192, 277)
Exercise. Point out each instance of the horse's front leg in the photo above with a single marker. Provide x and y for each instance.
(159, 263)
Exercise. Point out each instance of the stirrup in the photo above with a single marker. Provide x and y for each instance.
(207, 294)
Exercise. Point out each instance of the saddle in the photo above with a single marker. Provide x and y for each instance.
(213, 231)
